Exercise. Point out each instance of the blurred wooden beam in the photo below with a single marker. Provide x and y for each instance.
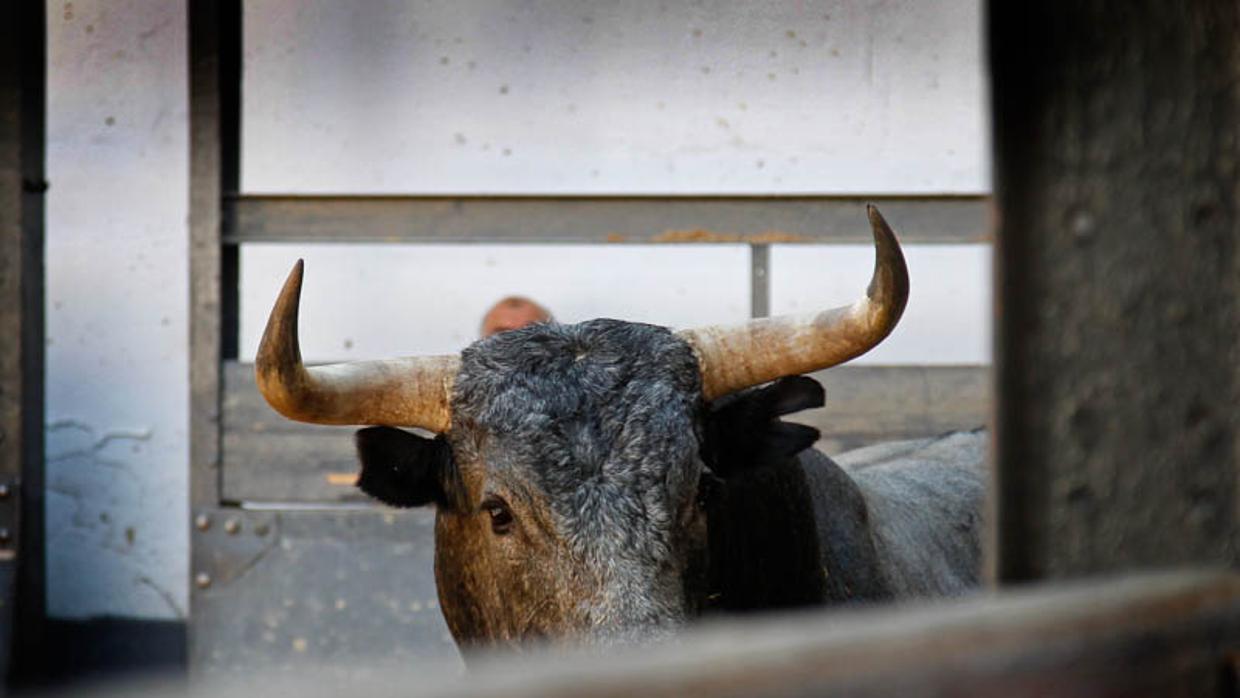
(1151, 635)
(1159, 635)
(1117, 157)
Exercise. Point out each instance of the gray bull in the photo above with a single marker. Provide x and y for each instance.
(607, 481)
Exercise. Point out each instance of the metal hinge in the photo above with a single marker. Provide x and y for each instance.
(9, 509)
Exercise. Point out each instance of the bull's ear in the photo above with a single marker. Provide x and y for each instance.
(405, 470)
(744, 430)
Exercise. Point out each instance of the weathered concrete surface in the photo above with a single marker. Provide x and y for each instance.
(606, 98)
(117, 399)
(285, 592)
(1117, 131)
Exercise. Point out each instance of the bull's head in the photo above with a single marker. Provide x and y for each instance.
(567, 467)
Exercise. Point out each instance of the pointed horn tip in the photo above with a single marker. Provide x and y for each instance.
(276, 346)
(876, 218)
(885, 241)
(292, 284)
(884, 236)
(298, 270)
(888, 256)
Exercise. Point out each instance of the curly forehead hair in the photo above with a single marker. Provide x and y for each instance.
(601, 416)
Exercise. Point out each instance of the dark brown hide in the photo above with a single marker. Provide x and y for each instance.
(503, 590)
(493, 587)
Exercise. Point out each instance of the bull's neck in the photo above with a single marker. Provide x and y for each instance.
(789, 535)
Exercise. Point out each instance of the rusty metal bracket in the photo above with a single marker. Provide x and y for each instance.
(227, 542)
(10, 506)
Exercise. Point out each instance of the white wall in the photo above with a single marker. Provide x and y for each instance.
(460, 96)
(117, 285)
(366, 301)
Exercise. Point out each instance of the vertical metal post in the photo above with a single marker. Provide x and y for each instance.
(22, 186)
(1117, 157)
(204, 223)
(214, 88)
(230, 75)
(759, 280)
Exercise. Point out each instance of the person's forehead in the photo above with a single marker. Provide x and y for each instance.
(510, 316)
(520, 310)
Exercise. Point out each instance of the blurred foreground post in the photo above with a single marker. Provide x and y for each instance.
(1117, 168)
(22, 606)
(1149, 634)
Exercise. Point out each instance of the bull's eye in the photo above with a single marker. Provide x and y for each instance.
(501, 515)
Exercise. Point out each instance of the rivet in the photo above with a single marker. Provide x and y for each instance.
(4, 490)
(5, 535)
(232, 526)
(202, 580)
(1082, 224)
(202, 522)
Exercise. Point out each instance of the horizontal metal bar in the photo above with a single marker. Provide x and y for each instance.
(759, 280)
(602, 219)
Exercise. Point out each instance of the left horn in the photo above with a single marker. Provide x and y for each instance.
(737, 357)
(408, 392)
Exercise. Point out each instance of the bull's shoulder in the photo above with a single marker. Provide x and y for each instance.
(850, 562)
(925, 500)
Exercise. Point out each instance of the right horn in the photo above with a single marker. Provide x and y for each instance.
(408, 392)
(737, 357)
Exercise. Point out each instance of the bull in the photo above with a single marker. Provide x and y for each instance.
(605, 482)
